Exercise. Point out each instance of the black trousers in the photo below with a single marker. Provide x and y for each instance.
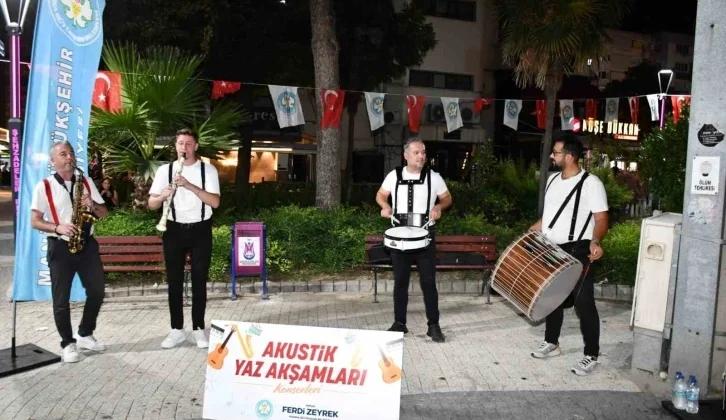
(179, 239)
(583, 298)
(426, 263)
(63, 268)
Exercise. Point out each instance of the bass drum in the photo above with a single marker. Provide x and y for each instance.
(535, 275)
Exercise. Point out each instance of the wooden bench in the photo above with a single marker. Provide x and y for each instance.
(135, 254)
(453, 253)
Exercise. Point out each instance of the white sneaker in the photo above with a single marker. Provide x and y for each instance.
(70, 354)
(546, 350)
(89, 343)
(174, 338)
(584, 366)
(200, 337)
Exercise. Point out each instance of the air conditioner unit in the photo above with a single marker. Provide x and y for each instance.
(392, 117)
(436, 113)
(468, 116)
(654, 291)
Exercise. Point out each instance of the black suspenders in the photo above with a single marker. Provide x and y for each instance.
(171, 174)
(425, 173)
(577, 191)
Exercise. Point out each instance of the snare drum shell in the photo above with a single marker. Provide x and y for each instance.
(406, 239)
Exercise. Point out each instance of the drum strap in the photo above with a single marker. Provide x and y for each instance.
(577, 192)
(411, 182)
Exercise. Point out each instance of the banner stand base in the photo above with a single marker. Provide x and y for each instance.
(27, 357)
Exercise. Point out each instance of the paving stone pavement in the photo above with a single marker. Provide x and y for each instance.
(483, 371)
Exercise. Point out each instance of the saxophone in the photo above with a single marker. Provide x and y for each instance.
(81, 217)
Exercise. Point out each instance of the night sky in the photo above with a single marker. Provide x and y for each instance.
(657, 15)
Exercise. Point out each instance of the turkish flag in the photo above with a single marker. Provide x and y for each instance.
(591, 109)
(633, 101)
(332, 100)
(541, 113)
(223, 87)
(107, 91)
(415, 109)
(480, 103)
(678, 102)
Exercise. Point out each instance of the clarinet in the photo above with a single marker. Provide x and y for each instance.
(161, 226)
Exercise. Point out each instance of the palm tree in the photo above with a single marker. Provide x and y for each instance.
(160, 94)
(548, 39)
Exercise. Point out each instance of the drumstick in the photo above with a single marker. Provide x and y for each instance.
(393, 219)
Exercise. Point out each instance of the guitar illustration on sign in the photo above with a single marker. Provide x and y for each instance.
(215, 358)
(391, 373)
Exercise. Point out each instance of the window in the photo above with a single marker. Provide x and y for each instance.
(657, 47)
(452, 9)
(439, 80)
(683, 49)
(682, 67)
(636, 43)
(604, 75)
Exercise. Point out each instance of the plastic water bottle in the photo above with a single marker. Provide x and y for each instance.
(679, 392)
(693, 395)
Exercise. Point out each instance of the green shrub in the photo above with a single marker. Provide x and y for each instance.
(620, 259)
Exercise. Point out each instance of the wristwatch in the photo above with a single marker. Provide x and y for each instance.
(595, 241)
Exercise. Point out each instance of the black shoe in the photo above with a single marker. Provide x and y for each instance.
(436, 334)
(398, 327)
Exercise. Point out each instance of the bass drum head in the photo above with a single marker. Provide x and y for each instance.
(554, 293)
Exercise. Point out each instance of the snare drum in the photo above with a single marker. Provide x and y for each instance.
(406, 238)
(535, 275)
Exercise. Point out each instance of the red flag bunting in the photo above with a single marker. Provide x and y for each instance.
(223, 87)
(678, 102)
(107, 91)
(332, 107)
(541, 113)
(415, 109)
(480, 103)
(633, 101)
(591, 109)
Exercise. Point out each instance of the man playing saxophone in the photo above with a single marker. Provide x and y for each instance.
(190, 195)
(64, 198)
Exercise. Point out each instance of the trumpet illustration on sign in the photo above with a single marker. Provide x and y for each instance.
(391, 373)
(246, 342)
(355, 359)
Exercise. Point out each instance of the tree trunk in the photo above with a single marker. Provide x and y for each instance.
(244, 152)
(553, 82)
(353, 100)
(140, 199)
(325, 58)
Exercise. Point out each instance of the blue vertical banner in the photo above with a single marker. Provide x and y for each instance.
(66, 52)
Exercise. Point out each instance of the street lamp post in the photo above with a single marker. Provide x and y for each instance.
(28, 356)
(663, 93)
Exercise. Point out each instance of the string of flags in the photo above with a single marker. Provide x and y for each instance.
(286, 100)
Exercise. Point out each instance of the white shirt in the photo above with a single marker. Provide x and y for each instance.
(420, 191)
(592, 199)
(187, 206)
(61, 201)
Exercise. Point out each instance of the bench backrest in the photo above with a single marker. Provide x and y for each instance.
(130, 249)
(484, 245)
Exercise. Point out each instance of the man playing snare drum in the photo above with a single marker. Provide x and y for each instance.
(580, 236)
(415, 189)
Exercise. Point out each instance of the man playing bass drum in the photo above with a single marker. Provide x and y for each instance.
(576, 218)
(415, 190)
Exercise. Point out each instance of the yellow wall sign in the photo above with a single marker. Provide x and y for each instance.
(622, 131)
